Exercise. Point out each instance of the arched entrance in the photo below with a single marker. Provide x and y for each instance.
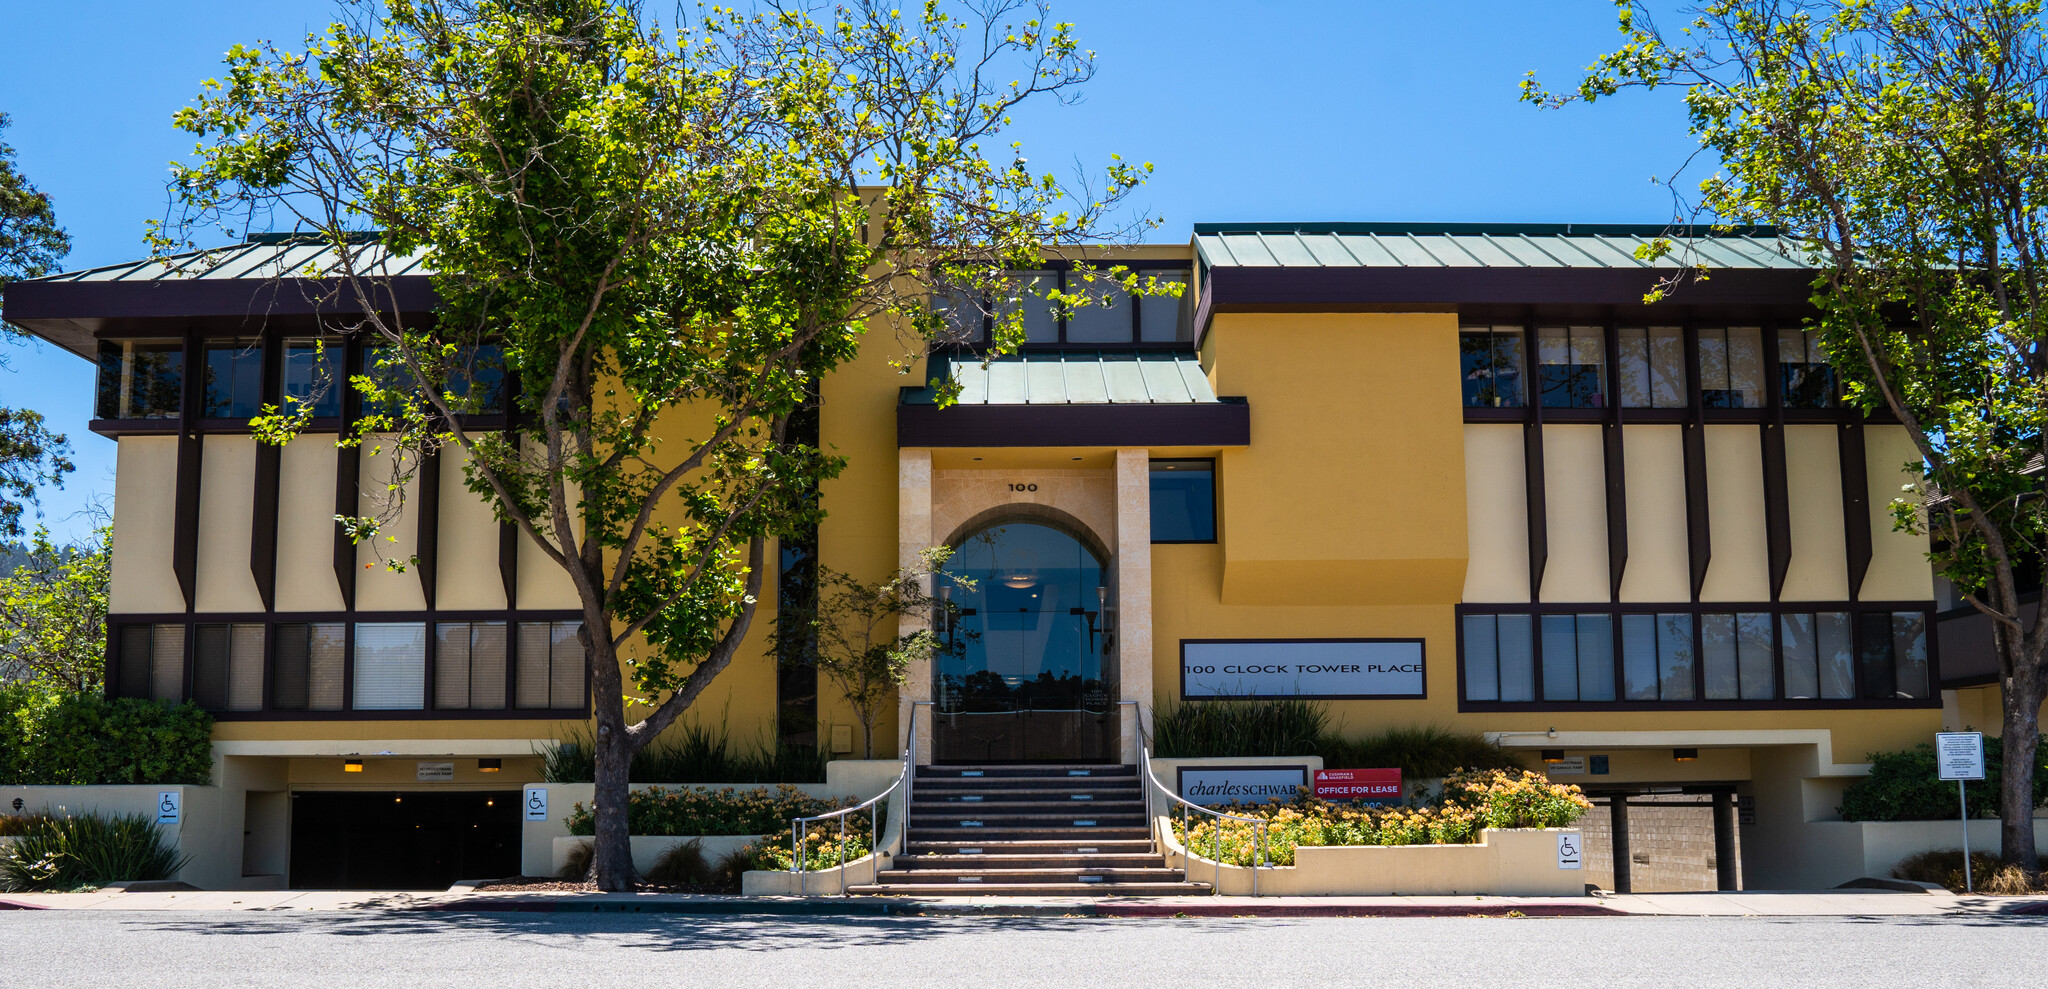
(1022, 672)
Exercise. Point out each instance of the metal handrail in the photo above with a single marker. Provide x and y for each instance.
(1258, 824)
(799, 827)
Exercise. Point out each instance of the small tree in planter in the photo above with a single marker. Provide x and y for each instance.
(853, 632)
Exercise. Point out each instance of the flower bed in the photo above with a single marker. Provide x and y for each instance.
(662, 811)
(1499, 799)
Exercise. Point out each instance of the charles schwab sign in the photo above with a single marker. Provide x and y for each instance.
(1211, 785)
(1336, 669)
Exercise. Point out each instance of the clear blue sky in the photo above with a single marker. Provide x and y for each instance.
(1346, 110)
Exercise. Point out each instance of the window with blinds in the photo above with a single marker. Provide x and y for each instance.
(227, 667)
(391, 666)
(149, 662)
(469, 666)
(306, 667)
(550, 660)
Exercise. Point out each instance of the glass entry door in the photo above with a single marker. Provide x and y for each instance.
(1019, 675)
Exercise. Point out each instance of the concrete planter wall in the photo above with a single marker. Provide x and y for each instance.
(1839, 851)
(648, 849)
(213, 862)
(1521, 862)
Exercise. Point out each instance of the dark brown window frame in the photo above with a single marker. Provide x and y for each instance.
(1697, 608)
(348, 620)
(980, 343)
(1215, 515)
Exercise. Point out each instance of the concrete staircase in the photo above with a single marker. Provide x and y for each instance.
(1036, 830)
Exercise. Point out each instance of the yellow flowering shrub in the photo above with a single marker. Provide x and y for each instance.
(706, 811)
(823, 847)
(1471, 801)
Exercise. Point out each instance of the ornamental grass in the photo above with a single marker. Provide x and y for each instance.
(1472, 801)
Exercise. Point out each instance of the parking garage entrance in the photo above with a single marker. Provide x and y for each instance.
(402, 840)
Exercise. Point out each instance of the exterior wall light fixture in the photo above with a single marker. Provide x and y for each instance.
(489, 765)
(352, 766)
(1553, 755)
(1684, 755)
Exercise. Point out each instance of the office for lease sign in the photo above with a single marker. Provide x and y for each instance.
(1335, 669)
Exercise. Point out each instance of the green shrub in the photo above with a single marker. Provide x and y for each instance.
(51, 738)
(1222, 728)
(693, 754)
(1907, 786)
(703, 811)
(86, 850)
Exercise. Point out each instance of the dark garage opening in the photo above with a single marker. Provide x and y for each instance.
(402, 840)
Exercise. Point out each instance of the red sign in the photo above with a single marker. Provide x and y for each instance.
(1358, 784)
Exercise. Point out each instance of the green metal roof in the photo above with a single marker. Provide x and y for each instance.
(1071, 377)
(264, 256)
(1486, 245)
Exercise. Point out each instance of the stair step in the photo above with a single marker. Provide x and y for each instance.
(961, 877)
(1045, 861)
(1090, 845)
(1072, 771)
(1006, 819)
(1023, 796)
(987, 835)
(1032, 889)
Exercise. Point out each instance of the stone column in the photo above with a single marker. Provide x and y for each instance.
(1134, 593)
(913, 536)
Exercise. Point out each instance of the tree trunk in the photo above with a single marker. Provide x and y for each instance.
(867, 737)
(611, 857)
(2021, 739)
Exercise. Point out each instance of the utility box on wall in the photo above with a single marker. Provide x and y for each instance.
(842, 739)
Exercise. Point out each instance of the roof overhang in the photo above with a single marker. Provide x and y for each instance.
(72, 314)
(1207, 424)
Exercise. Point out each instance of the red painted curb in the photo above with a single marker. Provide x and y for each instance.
(17, 905)
(1358, 910)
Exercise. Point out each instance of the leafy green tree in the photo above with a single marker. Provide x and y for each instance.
(854, 633)
(31, 244)
(53, 614)
(1901, 146)
(673, 231)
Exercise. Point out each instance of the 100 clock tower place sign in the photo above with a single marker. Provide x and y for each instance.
(1333, 669)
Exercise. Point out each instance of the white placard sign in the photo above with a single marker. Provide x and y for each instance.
(1211, 785)
(1337, 669)
(1960, 754)
(1568, 851)
(436, 772)
(170, 807)
(1573, 766)
(536, 803)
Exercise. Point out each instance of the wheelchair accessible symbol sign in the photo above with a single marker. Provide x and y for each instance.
(536, 803)
(168, 805)
(1568, 851)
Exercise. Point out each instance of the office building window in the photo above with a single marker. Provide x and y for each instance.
(390, 666)
(1804, 375)
(1578, 657)
(1732, 368)
(140, 379)
(1820, 656)
(311, 373)
(306, 666)
(550, 666)
(1736, 655)
(1027, 292)
(1491, 360)
(227, 666)
(469, 666)
(1164, 318)
(1570, 364)
(1652, 373)
(1657, 657)
(1500, 662)
(1107, 318)
(1183, 501)
(233, 380)
(149, 662)
(476, 380)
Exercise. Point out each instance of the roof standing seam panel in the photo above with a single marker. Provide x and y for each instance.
(973, 379)
(1327, 250)
(1006, 383)
(1085, 385)
(1580, 249)
(1126, 382)
(1195, 381)
(1510, 259)
(1365, 248)
(1250, 250)
(1045, 382)
(1424, 248)
(1544, 252)
(1627, 253)
(1162, 383)
(1458, 243)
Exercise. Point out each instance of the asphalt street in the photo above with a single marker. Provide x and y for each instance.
(53, 949)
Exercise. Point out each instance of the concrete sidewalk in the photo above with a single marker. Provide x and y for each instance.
(1823, 903)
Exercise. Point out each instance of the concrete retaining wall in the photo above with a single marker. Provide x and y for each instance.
(648, 849)
(1840, 851)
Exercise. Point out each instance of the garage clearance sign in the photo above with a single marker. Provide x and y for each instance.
(1270, 669)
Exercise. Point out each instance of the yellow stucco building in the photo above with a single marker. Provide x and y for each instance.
(1450, 474)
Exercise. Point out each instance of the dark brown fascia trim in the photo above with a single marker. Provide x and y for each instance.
(1244, 286)
(54, 307)
(1226, 423)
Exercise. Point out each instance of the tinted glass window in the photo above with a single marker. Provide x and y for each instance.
(1107, 318)
(1570, 365)
(1652, 374)
(1807, 380)
(234, 380)
(476, 380)
(141, 379)
(312, 377)
(1732, 368)
(1491, 361)
(1183, 501)
(1162, 318)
